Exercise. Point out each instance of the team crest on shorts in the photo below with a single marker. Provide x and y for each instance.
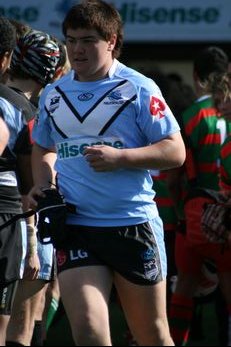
(151, 270)
(148, 254)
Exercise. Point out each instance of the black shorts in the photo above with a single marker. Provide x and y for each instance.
(10, 250)
(7, 295)
(131, 251)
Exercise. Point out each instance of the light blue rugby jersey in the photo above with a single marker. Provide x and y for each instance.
(125, 110)
(13, 118)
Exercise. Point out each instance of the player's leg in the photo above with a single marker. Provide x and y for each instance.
(85, 294)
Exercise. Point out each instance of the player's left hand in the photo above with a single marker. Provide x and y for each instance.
(102, 158)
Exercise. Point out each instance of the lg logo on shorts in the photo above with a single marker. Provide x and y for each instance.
(78, 254)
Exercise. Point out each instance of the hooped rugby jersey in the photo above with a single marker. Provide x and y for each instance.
(164, 200)
(124, 110)
(204, 133)
(17, 112)
(225, 168)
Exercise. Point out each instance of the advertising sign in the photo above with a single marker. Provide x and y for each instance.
(144, 21)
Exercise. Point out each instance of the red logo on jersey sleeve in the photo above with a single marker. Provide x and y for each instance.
(157, 107)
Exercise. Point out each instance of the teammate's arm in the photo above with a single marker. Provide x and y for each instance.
(4, 135)
(43, 171)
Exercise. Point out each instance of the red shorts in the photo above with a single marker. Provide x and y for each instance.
(190, 257)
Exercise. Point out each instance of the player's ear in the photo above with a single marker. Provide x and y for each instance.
(112, 42)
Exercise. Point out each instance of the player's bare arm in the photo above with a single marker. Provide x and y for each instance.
(166, 154)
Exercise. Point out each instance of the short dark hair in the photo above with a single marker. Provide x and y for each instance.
(98, 15)
(211, 59)
(7, 36)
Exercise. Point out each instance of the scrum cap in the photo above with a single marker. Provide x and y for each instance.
(37, 54)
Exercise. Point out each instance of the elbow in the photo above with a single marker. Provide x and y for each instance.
(181, 157)
(179, 151)
(178, 155)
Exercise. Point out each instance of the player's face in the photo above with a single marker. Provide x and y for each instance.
(89, 54)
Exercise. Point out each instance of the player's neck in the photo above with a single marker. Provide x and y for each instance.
(28, 87)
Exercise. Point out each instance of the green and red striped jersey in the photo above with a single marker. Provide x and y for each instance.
(204, 131)
(225, 168)
(164, 202)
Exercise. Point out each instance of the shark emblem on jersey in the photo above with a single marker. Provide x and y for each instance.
(115, 95)
(115, 98)
(157, 107)
(54, 104)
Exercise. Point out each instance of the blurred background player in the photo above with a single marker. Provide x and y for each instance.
(10, 202)
(34, 63)
(204, 131)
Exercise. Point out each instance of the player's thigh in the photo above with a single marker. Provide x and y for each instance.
(145, 310)
(140, 301)
(28, 297)
(85, 290)
(28, 300)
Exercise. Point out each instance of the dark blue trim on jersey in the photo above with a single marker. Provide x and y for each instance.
(107, 125)
(55, 126)
(73, 109)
